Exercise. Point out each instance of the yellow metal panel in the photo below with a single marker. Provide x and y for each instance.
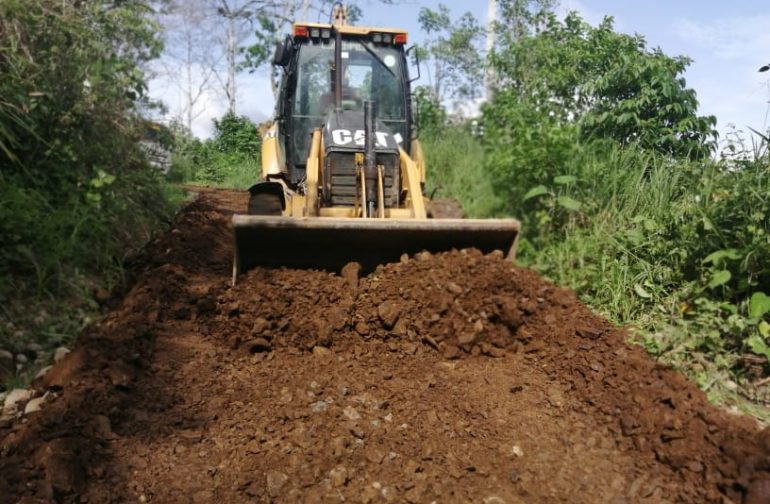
(312, 172)
(419, 159)
(273, 161)
(412, 182)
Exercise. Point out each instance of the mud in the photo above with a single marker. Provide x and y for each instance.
(452, 378)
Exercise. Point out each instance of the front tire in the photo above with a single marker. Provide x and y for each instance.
(265, 204)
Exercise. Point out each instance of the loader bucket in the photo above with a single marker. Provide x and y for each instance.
(330, 243)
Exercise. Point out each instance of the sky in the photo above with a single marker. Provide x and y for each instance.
(727, 41)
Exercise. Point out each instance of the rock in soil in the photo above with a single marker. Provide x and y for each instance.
(34, 405)
(60, 353)
(15, 398)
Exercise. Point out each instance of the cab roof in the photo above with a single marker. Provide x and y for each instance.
(349, 29)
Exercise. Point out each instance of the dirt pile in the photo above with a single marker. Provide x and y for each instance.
(453, 377)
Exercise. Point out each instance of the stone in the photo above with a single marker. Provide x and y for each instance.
(42, 372)
(510, 314)
(451, 352)
(362, 328)
(338, 476)
(259, 345)
(260, 326)
(320, 351)
(351, 413)
(15, 397)
(319, 407)
(120, 375)
(275, 482)
(466, 338)
(454, 288)
(34, 405)
(389, 311)
(351, 273)
(60, 353)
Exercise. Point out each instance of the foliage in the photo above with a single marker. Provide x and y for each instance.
(230, 159)
(454, 159)
(453, 48)
(430, 116)
(607, 83)
(76, 193)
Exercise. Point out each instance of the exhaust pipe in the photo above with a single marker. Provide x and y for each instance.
(370, 156)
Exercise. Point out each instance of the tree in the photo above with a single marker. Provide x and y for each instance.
(609, 84)
(190, 34)
(453, 49)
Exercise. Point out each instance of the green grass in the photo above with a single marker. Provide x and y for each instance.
(62, 252)
(455, 169)
(217, 170)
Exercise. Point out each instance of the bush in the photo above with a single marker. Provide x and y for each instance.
(76, 192)
(230, 159)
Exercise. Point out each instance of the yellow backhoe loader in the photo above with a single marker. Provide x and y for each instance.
(342, 172)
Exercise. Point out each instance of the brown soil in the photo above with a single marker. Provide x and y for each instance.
(451, 378)
(444, 208)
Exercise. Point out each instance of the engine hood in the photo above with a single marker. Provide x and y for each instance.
(344, 132)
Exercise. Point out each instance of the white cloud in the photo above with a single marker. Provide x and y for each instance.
(732, 38)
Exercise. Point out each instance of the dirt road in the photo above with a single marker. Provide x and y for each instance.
(447, 378)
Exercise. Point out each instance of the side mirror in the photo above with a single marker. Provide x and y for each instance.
(283, 53)
(416, 61)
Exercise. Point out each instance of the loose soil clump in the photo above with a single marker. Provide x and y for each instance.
(454, 377)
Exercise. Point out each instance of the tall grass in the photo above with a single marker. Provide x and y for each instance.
(455, 169)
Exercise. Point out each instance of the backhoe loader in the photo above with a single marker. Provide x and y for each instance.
(342, 170)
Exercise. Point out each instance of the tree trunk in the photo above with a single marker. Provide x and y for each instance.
(489, 76)
(188, 67)
(231, 48)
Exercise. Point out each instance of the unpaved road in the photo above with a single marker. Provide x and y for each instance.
(447, 378)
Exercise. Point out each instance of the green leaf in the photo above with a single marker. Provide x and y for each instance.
(716, 257)
(759, 305)
(635, 237)
(764, 329)
(641, 292)
(564, 179)
(535, 192)
(569, 203)
(758, 345)
(720, 277)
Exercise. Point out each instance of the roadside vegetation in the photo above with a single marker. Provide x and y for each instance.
(625, 195)
(230, 159)
(77, 196)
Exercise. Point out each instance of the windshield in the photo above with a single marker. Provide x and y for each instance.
(369, 72)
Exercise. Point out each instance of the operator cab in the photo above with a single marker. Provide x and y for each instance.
(373, 68)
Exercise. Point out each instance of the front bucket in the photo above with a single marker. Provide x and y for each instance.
(330, 243)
